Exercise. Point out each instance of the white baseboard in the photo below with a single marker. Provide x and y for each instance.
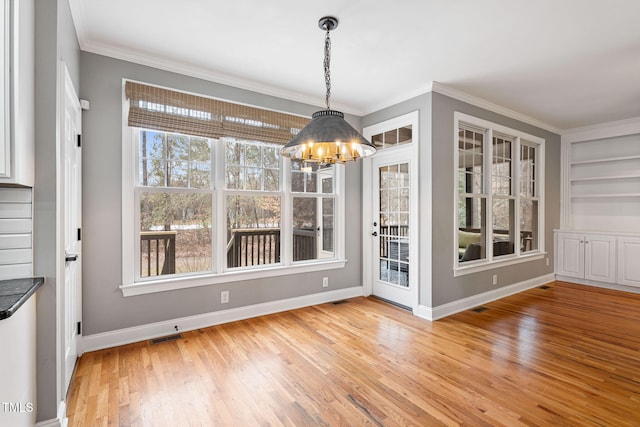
(159, 329)
(61, 421)
(435, 313)
(612, 286)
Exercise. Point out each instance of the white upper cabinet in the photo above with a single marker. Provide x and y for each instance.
(17, 108)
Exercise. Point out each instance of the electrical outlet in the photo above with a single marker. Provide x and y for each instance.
(547, 261)
(325, 282)
(224, 297)
(495, 279)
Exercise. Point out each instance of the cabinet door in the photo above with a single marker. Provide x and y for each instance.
(570, 254)
(600, 258)
(629, 261)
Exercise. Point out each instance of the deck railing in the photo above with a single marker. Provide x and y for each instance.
(157, 253)
(253, 246)
(246, 247)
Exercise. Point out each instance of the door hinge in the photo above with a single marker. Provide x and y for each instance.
(79, 234)
(79, 328)
(79, 140)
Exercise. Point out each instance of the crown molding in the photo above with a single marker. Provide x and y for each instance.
(145, 59)
(602, 130)
(487, 105)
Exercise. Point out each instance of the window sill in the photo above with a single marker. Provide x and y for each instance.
(161, 285)
(490, 265)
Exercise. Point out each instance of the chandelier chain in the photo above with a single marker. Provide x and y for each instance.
(327, 63)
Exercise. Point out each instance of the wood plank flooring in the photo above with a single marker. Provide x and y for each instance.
(567, 355)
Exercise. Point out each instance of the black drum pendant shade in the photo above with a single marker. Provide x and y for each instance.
(328, 138)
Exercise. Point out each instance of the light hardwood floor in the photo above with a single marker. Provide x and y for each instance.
(567, 355)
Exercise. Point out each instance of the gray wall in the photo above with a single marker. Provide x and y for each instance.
(55, 40)
(104, 307)
(436, 141)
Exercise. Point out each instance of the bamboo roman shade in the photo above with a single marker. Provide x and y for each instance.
(172, 111)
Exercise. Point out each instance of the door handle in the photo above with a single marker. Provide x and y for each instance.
(69, 258)
(375, 233)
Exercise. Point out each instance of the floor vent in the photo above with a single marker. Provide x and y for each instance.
(545, 287)
(167, 338)
(342, 301)
(479, 309)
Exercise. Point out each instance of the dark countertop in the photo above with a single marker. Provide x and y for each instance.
(15, 292)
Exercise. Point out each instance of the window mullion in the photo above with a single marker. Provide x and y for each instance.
(515, 165)
(286, 213)
(488, 190)
(219, 224)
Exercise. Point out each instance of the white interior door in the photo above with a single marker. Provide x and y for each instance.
(391, 228)
(391, 252)
(72, 195)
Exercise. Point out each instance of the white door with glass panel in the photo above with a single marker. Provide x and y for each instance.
(390, 207)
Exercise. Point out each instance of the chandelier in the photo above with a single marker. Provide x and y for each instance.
(328, 138)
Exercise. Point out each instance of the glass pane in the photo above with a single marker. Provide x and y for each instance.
(391, 138)
(472, 228)
(270, 157)
(470, 161)
(501, 174)
(405, 135)
(253, 179)
(152, 144)
(152, 173)
(377, 140)
(175, 233)
(297, 181)
(271, 179)
(304, 228)
(327, 185)
(200, 175)
(234, 178)
(177, 174)
(253, 155)
(527, 171)
(200, 150)
(327, 227)
(503, 226)
(234, 153)
(528, 225)
(177, 147)
(253, 230)
(394, 224)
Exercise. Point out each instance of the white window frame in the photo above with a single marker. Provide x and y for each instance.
(220, 274)
(491, 262)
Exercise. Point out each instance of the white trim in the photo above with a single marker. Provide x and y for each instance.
(444, 310)
(470, 268)
(145, 59)
(489, 129)
(597, 284)
(167, 327)
(413, 119)
(602, 130)
(478, 102)
(184, 282)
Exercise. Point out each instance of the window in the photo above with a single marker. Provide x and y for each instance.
(499, 195)
(205, 204)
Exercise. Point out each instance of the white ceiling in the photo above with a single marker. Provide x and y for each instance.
(566, 63)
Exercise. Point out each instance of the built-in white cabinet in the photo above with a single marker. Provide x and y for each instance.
(586, 256)
(17, 107)
(629, 261)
